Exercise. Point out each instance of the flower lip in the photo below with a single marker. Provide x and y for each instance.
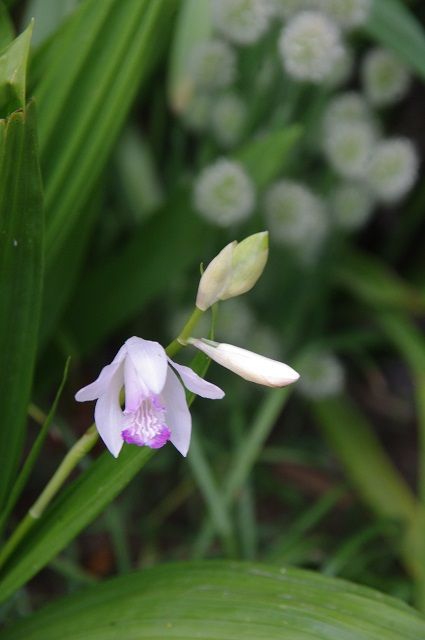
(250, 366)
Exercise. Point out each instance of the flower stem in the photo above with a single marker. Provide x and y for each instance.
(185, 333)
(68, 464)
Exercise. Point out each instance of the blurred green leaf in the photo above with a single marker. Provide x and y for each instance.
(375, 283)
(77, 507)
(7, 32)
(116, 290)
(193, 26)
(21, 269)
(266, 157)
(13, 72)
(223, 601)
(370, 470)
(394, 26)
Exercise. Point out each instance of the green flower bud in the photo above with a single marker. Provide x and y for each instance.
(233, 271)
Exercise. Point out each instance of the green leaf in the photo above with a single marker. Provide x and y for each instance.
(393, 25)
(13, 72)
(77, 507)
(375, 283)
(21, 269)
(116, 290)
(89, 77)
(223, 601)
(7, 32)
(265, 158)
(194, 25)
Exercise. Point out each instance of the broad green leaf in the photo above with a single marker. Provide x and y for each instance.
(115, 291)
(7, 32)
(21, 269)
(375, 283)
(194, 25)
(358, 449)
(77, 507)
(90, 75)
(394, 26)
(265, 158)
(13, 71)
(223, 601)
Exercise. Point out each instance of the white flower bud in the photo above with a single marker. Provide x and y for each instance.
(393, 169)
(351, 205)
(310, 46)
(322, 375)
(213, 64)
(248, 365)
(242, 21)
(234, 271)
(228, 117)
(386, 79)
(223, 193)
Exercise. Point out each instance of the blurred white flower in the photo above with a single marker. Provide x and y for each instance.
(342, 69)
(223, 193)
(386, 79)
(242, 21)
(310, 46)
(228, 119)
(322, 375)
(295, 215)
(348, 14)
(287, 8)
(346, 108)
(213, 64)
(351, 205)
(393, 169)
(348, 148)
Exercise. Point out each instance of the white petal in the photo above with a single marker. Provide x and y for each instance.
(99, 386)
(247, 364)
(150, 362)
(215, 278)
(196, 384)
(108, 416)
(135, 388)
(178, 417)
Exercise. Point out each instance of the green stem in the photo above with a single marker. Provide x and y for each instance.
(185, 333)
(68, 464)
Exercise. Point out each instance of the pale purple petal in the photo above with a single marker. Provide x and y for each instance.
(150, 363)
(196, 384)
(108, 416)
(178, 416)
(135, 388)
(97, 388)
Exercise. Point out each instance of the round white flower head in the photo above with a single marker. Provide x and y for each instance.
(386, 79)
(310, 46)
(348, 14)
(393, 169)
(295, 215)
(196, 115)
(223, 193)
(322, 375)
(228, 118)
(351, 205)
(213, 64)
(242, 21)
(349, 148)
(345, 108)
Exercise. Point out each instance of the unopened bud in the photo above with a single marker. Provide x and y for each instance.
(233, 271)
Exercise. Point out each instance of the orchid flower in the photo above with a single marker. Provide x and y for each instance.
(155, 408)
(250, 366)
